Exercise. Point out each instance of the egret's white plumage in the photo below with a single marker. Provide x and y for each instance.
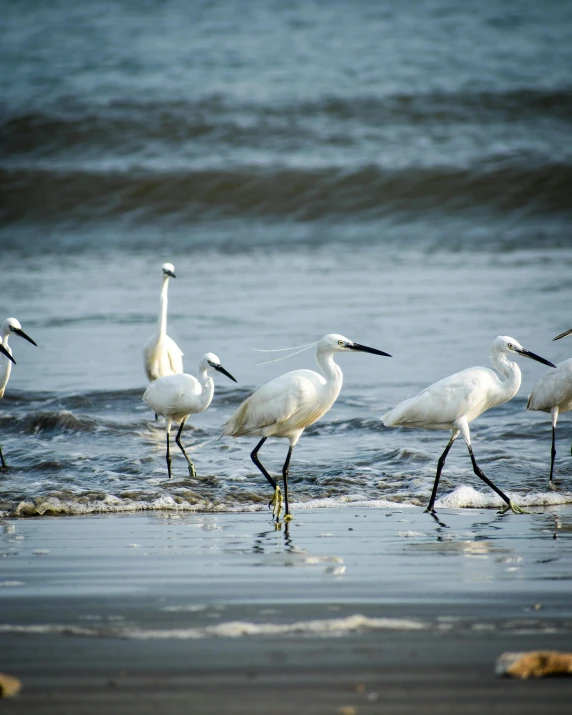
(178, 396)
(10, 326)
(455, 401)
(553, 393)
(162, 356)
(285, 406)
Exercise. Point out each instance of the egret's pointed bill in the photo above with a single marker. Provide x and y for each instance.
(220, 368)
(534, 356)
(365, 349)
(5, 352)
(563, 335)
(22, 334)
(169, 273)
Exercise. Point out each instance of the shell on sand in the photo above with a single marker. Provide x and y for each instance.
(534, 664)
(9, 686)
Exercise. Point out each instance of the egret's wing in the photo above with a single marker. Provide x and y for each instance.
(464, 393)
(276, 402)
(171, 392)
(553, 388)
(175, 355)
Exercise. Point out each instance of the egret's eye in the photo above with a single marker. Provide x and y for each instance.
(341, 343)
(510, 346)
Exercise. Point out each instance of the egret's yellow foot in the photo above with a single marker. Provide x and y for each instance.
(288, 517)
(514, 508)
(192, 470)
(276, 503)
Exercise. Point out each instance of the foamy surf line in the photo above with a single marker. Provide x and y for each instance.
(232, 629)
(463, 497)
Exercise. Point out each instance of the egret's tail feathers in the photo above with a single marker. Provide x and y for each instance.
(237, 426)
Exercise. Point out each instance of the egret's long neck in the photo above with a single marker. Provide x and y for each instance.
(207, 387)
(332, 372)
(511, 373)
(164, 301)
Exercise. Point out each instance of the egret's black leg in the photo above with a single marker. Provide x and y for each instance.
(440, 465)
(552, 457)
(478, 471)
(254, 457)
(192, 470)
(156, 417)
(285, 468)
(276, 502)
(168, 457)
(4, 465)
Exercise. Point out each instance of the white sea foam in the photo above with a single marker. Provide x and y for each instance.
(468, 497)
(462, 497)
(230, 629)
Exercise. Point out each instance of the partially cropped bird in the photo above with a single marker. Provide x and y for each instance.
(553, 393)
(162, 356)
(178, 396)
(10, 326)
(455, 401)
(285, 406)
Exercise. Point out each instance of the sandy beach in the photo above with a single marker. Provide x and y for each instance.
(380, 610)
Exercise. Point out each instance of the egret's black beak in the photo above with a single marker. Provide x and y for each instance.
(563, 335)
(170, 273)
(22, 334)
(5, 352)
(365, 349)
(220, 368)
(533, 356)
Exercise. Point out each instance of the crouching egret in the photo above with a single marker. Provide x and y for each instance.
(285, 406)
(553, 393)
(162, 356)
(178, 396)
(458, 399)
(9, 326)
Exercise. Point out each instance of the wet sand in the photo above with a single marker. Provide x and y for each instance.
(380, 610)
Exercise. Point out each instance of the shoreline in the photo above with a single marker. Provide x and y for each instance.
(371, 609)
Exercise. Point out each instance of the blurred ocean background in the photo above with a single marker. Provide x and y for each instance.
(400, 173)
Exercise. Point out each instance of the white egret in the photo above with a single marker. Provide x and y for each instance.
(162, 356)
(553, 393)
(178, 396)
(285, 406)
(9, 326)
(455, 401)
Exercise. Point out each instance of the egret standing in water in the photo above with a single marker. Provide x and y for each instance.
(161, 354)
(553, 393)
(9, 327)
(178, 396)
(455, 401)
(285, 406)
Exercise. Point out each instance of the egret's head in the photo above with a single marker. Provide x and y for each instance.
(503, 345)
(169, 270)
(211, 360)
(12, 326)
(337, 343)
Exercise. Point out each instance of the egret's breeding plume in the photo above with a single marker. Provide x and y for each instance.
(161, 354)
(553, 393)
(455, 401)
(178, 396)
(9, 327)
(285, 406)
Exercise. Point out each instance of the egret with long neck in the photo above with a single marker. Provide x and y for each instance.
(10, 326)
(178, 396)
(285, 406)
(553, 393)
(161, 354)
(455, 401)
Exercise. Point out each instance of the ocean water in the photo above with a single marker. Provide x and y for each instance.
(398, 173)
